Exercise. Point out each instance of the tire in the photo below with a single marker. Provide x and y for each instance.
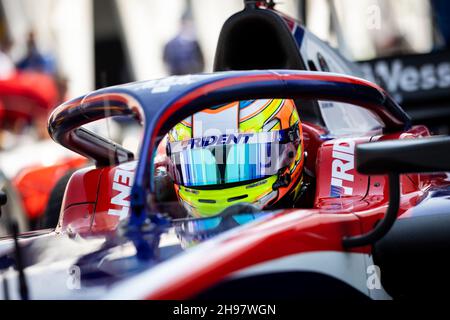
(50, 218)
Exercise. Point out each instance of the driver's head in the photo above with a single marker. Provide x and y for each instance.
(241, 152)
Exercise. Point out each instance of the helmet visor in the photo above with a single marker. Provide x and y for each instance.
(232, 158)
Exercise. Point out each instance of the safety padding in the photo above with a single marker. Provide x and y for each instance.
(255, 39)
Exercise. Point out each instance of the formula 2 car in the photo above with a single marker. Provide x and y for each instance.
(122, 236)
(117, 239)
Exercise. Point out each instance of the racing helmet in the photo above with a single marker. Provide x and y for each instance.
(242, 152)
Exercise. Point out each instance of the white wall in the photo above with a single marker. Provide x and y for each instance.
(149, 24)
(209, 18)
(146, 25)
(73, 28)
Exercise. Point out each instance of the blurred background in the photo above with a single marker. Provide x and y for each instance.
(89, 44)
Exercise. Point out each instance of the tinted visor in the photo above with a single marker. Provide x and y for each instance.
(232, 158)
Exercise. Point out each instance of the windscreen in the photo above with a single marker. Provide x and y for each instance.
(232, 158)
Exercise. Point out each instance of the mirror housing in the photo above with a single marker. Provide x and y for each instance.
(404, 156)
(393, 158)
(3, 198)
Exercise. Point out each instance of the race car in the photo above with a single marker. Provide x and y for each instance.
(366, 224)
(118, 243)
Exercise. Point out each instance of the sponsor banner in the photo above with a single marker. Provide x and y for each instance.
(412, 78)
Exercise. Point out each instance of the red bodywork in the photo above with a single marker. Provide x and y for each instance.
(346, 204)
(90, 191)
(300, 231)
